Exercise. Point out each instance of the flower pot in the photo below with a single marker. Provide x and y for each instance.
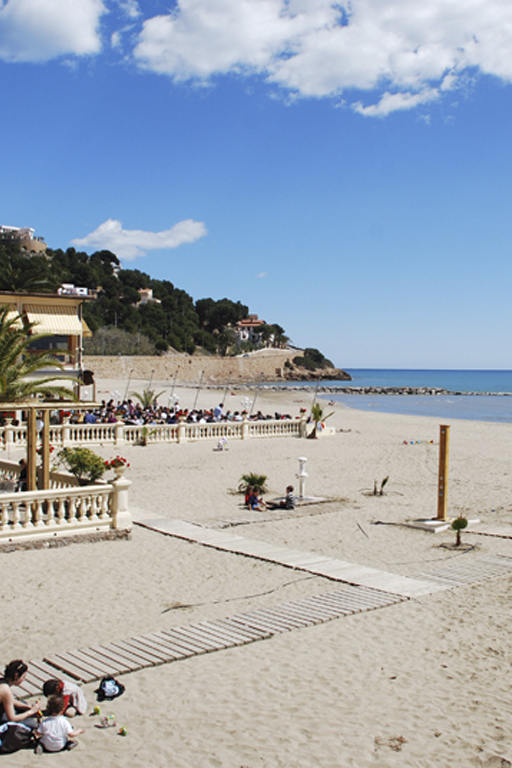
(119, 471)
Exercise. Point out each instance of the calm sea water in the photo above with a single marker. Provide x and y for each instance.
(474, 407)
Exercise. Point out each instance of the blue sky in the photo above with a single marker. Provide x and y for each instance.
(345, 169)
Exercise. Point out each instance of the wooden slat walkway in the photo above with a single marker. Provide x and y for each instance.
(87, 665)
(472, 572)
(119, 657)
(312, 562)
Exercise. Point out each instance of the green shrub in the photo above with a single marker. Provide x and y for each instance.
(83, 463)
(254, 480)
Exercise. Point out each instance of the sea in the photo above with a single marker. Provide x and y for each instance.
(478, 407)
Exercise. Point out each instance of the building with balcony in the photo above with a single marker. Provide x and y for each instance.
(24, 237)
(59, 318)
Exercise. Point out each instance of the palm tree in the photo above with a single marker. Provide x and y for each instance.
(146, 398)
(318, 415)
(18, 364)
(23, 280)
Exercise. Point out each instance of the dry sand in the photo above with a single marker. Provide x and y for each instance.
(422, 683)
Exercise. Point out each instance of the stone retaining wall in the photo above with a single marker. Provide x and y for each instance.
(216, 370)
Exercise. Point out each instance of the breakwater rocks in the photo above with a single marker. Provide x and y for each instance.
(335, 390)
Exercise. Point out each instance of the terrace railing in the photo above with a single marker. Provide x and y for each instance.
(65, 509)
(131, 434)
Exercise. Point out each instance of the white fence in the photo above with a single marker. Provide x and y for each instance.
(129, 434)
(65, 509)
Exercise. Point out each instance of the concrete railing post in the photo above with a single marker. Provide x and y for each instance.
(181, 429)
(245, 427)
(119, 429)
(303, 426)
(8, 435)
(121, 518)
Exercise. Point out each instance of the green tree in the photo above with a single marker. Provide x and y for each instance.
(18, 365)
(147, 397)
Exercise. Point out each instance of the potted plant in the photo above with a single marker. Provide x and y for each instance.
(118, 464)
(83, 463)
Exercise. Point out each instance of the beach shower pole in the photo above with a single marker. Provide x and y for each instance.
(198, 390)
(150, 381)
(302, 477)
(442, 489)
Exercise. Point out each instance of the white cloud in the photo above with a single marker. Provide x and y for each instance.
(130, 8)
(393, 102)
(39, 30)
(262, 275)
(130, 243)
(410, 51)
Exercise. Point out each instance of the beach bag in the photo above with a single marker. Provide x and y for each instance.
(109, 688)
(14, 736)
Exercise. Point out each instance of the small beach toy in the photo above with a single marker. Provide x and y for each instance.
(122, 731)
(96, 711)
(108, 721)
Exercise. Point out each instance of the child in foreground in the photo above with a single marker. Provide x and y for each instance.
(55, 733)
(74, 698)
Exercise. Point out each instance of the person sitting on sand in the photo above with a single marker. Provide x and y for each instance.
(74, 699)
(289, 501)
(256, 502)
(55, 732)
(11, 710)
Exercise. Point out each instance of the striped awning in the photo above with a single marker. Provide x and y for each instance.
(86, 331)
(57, 321)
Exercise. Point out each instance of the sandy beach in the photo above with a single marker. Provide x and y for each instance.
(422, 683)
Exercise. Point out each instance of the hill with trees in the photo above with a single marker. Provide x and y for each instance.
(125, 322)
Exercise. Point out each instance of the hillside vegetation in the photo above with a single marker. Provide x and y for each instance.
(121, 324)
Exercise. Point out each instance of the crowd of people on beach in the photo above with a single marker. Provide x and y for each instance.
(130, 412)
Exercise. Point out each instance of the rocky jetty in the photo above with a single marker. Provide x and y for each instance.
(351, 390)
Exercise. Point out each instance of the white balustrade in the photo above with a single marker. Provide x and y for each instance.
(65, 510)
(132, 434)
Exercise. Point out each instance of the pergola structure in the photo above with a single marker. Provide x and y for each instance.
(32, 408)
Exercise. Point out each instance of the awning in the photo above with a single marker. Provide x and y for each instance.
(57, 321)
(86, 331)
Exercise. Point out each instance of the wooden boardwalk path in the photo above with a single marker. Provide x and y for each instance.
(364, 589)
(86, 665)
(311, 562)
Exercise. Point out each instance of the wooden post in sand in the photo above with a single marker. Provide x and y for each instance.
(442, 488)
